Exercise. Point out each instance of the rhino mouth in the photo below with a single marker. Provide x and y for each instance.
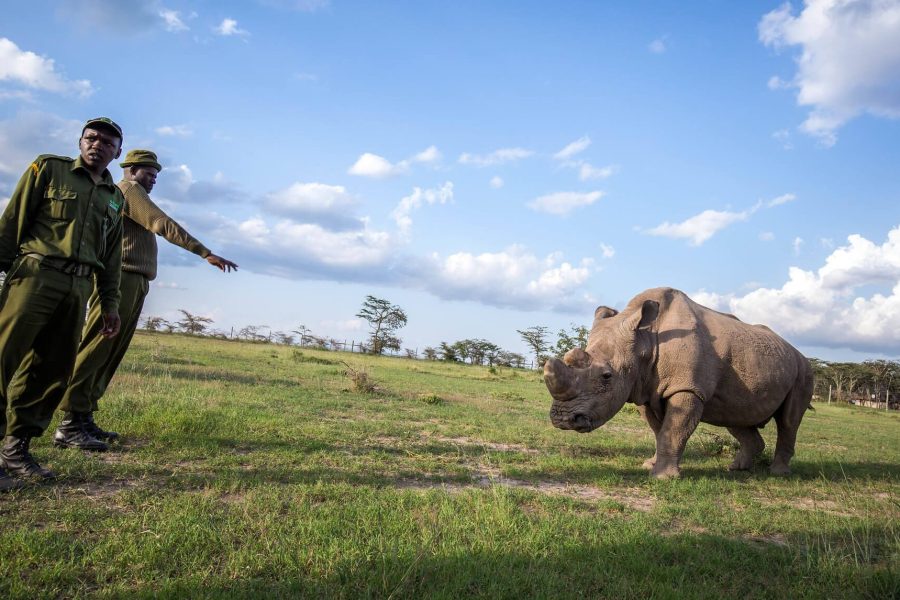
(580, 422)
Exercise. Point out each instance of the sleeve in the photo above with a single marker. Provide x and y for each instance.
(18, 214)
(108, 278)
(141, 209)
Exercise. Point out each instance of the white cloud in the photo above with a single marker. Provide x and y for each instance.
(288, 246)
(428, 155)
(37, 72)
(658, 46)
(175, 130)
(766, 236)
(378, 167)
(782, 199)
(372, 165)
(562, 203)
(329, 206)
(784, 137)
(700, 228)
(27, 134)
(573, 148)
(401, 213)
(607, 250)
(498, 157)
(797, 244)
(849, 62)
(172, 19)
(822, 308)
(587, 172)
(496, 182)
(230, 27)
(513, 277)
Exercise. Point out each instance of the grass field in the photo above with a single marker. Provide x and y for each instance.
(251, 470)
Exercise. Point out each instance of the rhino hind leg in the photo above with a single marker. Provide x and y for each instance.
(788, 420)
(752, 445)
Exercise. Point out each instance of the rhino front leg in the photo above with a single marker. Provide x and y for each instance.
(655, 424)
(752, 445)
(683, 412)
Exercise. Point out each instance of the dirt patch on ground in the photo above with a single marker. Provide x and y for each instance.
(495, 446)
(486, 477)
(811, 504)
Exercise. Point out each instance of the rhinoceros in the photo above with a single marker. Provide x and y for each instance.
(681, 364)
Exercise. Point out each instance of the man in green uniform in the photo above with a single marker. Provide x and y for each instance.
(61, 230)
(98, 356)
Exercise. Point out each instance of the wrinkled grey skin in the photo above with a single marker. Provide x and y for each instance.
(682, 363)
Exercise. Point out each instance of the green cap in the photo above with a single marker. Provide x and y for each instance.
(104, 123)
(137, 158)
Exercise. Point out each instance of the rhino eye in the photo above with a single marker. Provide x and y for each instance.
(607, 376)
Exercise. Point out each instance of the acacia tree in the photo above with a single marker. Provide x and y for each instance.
(155, 323)
(536, 338)
(577, 337)
(193, 324)
(385, 319)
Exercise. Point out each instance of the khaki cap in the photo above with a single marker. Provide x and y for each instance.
(137, 158)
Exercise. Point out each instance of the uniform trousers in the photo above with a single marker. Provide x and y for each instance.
(41, 316)
(99, 357)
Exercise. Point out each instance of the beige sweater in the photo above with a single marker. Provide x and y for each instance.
(143, 222)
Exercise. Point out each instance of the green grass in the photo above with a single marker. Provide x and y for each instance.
(250, 470)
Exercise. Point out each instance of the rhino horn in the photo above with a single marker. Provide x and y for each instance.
(560, 379)
(577, 357)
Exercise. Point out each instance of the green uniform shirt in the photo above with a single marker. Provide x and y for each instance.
(57, 210)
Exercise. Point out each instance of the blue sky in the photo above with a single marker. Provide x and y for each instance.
(491, 166)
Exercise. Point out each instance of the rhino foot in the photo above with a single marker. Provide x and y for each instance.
(741, 463)
(780, 469)
(650, 463)
(671, 472)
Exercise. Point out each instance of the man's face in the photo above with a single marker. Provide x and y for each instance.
(146, 176)
(99, 147)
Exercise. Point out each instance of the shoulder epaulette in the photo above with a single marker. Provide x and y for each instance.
(46, 157)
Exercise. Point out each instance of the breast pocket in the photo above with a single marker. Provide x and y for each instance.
(63, 202)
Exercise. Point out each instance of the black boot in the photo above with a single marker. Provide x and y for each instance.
(8, 483)
(73, 433)
(18, 462)
(95, 431)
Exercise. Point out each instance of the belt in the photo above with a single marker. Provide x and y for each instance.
(70, 267)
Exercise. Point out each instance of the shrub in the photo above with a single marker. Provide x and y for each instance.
(431, 398)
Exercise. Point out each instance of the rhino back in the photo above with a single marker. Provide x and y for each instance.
(742, 372)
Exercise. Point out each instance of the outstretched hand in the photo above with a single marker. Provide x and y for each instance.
(223, 264)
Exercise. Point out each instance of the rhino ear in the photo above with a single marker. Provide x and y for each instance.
(648, 313)
(577, 357)
(603, 312)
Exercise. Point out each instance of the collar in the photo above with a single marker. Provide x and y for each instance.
(105, 178)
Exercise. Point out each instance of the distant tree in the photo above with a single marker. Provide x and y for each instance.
(430, 353)
(410, 353)
(252, 333)
(384, 319)
(193, 324)
(491, 352)
(510, 359)
(577, 337)
(302, 331)
(283, 338)
(155, 323)
(536, 338)
(448, 352)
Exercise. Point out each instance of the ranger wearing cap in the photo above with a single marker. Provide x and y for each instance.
(60, 233)
(99, 356)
